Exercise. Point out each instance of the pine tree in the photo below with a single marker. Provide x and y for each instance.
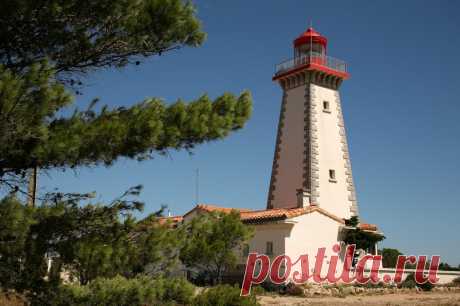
(47, 47)
(213, 243)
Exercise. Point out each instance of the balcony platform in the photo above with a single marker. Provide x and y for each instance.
(324, 64)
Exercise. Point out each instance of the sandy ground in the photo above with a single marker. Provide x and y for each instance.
(402, 299)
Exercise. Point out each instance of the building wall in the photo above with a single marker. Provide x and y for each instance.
(289, 156)
(277, 233)
(298, 236)
(333, 196)
(310, 142)
(313, 231)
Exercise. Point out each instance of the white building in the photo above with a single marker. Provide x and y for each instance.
(311, 190)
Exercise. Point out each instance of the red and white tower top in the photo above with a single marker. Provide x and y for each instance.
(310, 53)
(310, 36)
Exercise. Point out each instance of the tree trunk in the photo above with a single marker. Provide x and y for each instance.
(32, 190)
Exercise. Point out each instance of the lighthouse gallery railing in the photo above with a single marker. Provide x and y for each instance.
(327, 61)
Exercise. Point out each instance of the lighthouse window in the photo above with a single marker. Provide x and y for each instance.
(332, 176)
(326, 107)
(269, 249)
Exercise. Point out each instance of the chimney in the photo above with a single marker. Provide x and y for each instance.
(303, 198)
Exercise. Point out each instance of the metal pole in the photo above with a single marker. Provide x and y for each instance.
(311, 40)
(197, 186)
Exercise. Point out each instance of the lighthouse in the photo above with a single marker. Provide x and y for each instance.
(311, 164)
(311, 195)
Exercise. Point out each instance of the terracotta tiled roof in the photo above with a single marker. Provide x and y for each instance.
(256, 216)
(266, 215)
(368, 227)
(173, 220)
(210, 208)
(150, 222)
(284, 213)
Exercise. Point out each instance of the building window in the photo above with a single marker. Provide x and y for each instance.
(332, 176)
(246, 250)
(326, 107)
(269, 249)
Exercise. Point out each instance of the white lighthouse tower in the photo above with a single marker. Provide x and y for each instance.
(311, 193)
(311, 166)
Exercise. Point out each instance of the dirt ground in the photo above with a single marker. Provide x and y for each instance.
(11, 300)
(398, 299)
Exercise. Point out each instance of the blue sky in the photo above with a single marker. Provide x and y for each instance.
(401, 110)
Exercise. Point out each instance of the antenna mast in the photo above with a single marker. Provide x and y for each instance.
(311, 40)
(197, 186)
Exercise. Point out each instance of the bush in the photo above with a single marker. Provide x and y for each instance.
(371, 285)
(121, 291)
(178, 290)
(71, 295)
(410, 282)
(200, 278)
(271, 287)
(294, 290)
(224, 295)
(258, 290)
(456, 282)
(427, 286)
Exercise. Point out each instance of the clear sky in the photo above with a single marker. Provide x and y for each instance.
(401, 108)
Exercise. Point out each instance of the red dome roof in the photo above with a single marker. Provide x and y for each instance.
(308, 36)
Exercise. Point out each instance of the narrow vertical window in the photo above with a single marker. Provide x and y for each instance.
(326, 107)
(269, 248)
(332, 176)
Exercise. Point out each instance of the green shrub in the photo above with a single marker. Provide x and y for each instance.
(72, 295)
(371, 285)
(121, 291)
(426, 286)
(410, 282)
(178, 290)
(294, 290)
(224, 295)
(258, 290)
(271, 287)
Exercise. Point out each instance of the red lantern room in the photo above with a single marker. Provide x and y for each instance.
(310, 40)
(310, 53)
